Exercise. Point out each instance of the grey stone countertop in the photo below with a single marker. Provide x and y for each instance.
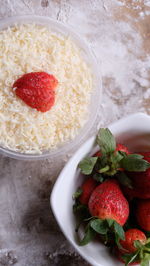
(118, 32)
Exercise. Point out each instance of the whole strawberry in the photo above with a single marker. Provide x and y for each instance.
(87, 189)
(108, 202)
(135, 248)
(36, 89)
(143, 214)
(131, 235)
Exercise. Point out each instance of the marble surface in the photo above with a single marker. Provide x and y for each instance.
(118, 32)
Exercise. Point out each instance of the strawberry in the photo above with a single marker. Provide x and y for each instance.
(141, 195)
(87, 189)
(131, 193)
(132, 235)
(108, 202)
(141, 180)
(109, 211)
(123, 148)
(36, 89)
(135, 248)
(143, 214)
(112, 158)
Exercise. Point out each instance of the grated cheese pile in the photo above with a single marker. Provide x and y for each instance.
(27, 48)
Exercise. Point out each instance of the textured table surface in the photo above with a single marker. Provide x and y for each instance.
(118, 32)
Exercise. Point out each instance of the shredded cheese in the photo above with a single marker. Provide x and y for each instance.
(28, 48)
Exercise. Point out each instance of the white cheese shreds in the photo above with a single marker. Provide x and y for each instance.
(28, 48)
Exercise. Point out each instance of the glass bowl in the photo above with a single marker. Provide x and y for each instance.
(89, 58)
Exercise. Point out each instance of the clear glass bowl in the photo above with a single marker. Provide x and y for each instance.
(89, 57)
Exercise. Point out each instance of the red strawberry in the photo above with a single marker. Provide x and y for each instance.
(87, 189)
(135, 248)
(141, 195)
(108, 202)
(141, 180)
(131, 193)
(143, 214)
(130, 236)
(121, 147)
(36, 89)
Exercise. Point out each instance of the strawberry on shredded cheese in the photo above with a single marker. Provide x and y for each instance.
(28, 48)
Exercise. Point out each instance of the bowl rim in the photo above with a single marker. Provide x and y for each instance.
(96, 95)
(90, 141)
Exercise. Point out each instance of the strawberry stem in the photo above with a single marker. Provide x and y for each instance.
(104, 169)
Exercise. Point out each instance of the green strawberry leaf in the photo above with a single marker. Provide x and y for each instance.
(138, 244)
(147, 233)
(147, 245)
(104, 169)
(106, 141)
(147, 242)
(79, 207)
(123, 153)
(119, 230)
(136, 156)
(99, 226)
(147, 253)
(110, 222)
(102, 162)
(145, 262)
(88, 237)
(77, 194)
(129, 258)
(99, 177)
(117, 240)
(133, 163)
(81, 210)
(124, 180)
(109, 163)
(116, 157)
(87, 165)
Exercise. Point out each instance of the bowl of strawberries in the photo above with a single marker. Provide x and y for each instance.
(101, 200)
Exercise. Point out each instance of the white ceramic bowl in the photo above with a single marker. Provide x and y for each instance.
(134, 131)
(89, 58)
